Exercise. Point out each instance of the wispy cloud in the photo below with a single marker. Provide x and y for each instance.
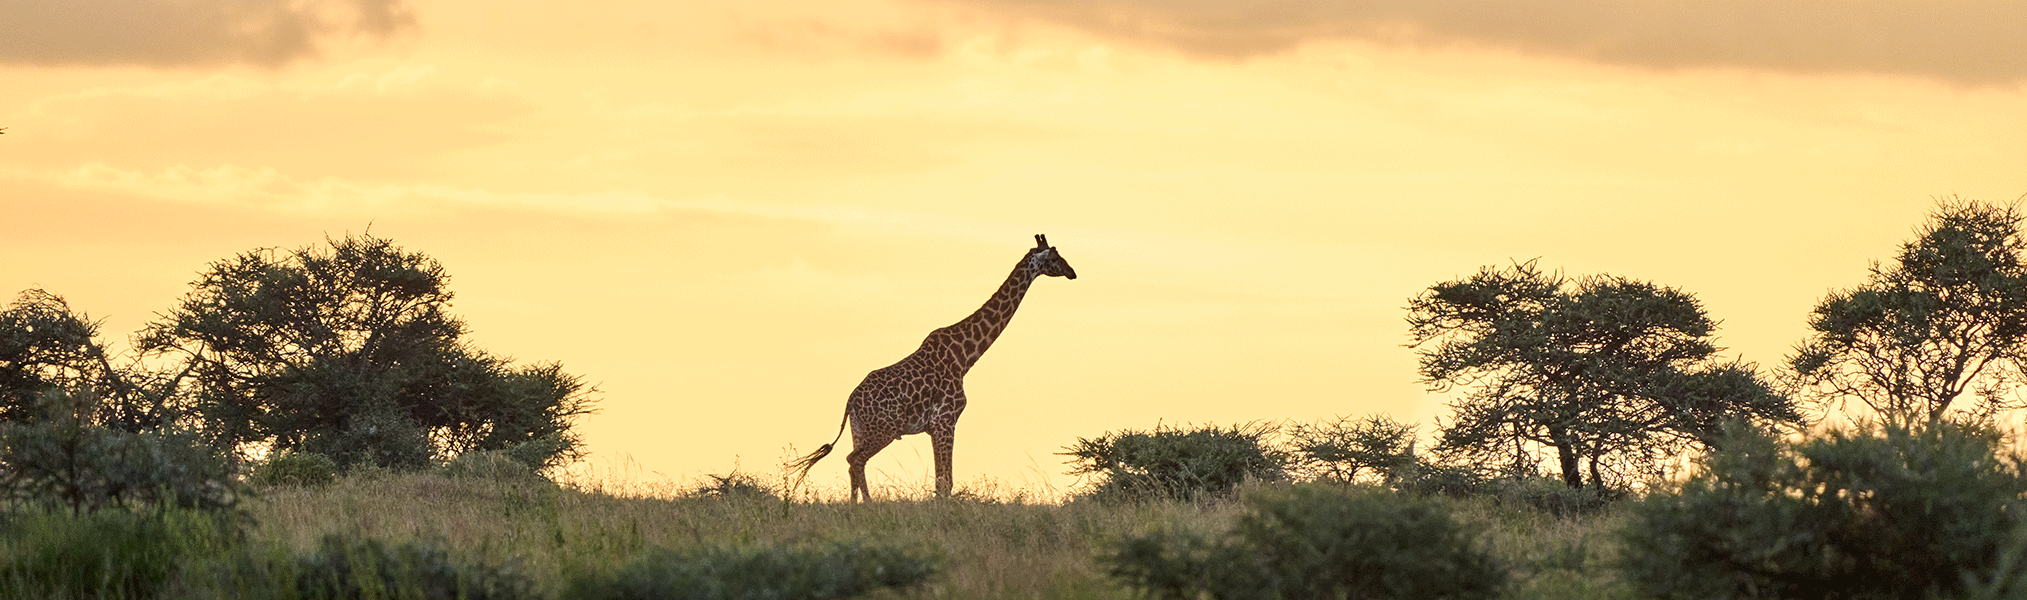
(168, 33)
(273, 189)
(1959, 41)
(269, 187)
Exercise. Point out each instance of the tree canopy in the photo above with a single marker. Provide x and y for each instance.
(1596, 368)
(1947, 316)
(348, 349)
(44, 346)
(47, 348)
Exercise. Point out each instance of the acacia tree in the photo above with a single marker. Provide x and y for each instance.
(1947, 316)
(1339, 450)
(46, 347)
(1594, 368)
(348, 349)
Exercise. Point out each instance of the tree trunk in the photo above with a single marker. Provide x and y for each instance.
(1566, 453)
(1597, 479)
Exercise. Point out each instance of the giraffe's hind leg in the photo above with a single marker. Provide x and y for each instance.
(863, 449)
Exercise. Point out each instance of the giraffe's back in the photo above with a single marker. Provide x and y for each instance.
(905, 398)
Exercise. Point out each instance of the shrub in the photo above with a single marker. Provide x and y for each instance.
(1177, 463)
(61, 460)
(1442, 479)
(1342, 449)
(837, 571)
(490, 464)
(379, 436)
(347, 568)
(1316, 542)
(295, 468)
(743, 486)
(544, 452)
(102, 554)
(1865, 513)
(1553, 496)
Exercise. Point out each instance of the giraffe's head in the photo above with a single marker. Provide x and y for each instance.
(1048, 261)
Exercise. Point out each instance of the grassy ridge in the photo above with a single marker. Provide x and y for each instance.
(991, 547)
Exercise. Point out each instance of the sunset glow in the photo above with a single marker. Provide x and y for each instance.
(725, 214)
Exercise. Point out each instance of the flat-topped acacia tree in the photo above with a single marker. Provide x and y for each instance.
(348, 349)
(1947, 316)
(1592, 368)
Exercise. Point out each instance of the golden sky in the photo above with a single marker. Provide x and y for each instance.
(726, 212)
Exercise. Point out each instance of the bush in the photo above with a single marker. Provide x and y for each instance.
(103, 554)
(1342, 449)
(1316, 542)
(378, 437)
(1442, 479)
(345, 568)
(1864, 513)
(492, 465)
(1553, 496)
(742, 486)
(837, 571)
(1177, 464)
(295, 468)
(61, 460)
(543, 453)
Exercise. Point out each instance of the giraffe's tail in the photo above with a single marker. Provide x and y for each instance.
(801, 466)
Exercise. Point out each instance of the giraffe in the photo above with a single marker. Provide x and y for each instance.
(924, 393)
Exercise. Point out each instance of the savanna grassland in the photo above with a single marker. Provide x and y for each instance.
(989, 543)
(407, 468)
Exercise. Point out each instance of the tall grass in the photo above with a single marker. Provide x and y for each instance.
(990, 547)
(448, 532)
(992, 543)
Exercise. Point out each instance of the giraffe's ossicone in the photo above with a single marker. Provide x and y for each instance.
(924, 393)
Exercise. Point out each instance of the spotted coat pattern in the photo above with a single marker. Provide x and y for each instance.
(924, 393)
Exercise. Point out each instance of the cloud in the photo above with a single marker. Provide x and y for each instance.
(1960, 41)
(167, 33)
(267, 187)
(821, 36)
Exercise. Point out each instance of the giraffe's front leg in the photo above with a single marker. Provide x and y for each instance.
(943, 439)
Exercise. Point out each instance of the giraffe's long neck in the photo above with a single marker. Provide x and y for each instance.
(984, 325)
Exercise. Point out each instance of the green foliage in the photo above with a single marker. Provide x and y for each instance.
(376, 435)
(45, 347)
(1443, 479)
(1866, 513)
(841, 570)
(540, 453)
(104, 554)
(295, 468)
(60, 460)
(1551, 496)
(1947, 316)
(345, 568)
(1317, 542)
(1185, 464)
(492, 465)
(348, 350)
(1599, 370)
(737, 485)
(1342, 449)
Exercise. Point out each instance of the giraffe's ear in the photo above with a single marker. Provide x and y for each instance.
(1041, 242)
